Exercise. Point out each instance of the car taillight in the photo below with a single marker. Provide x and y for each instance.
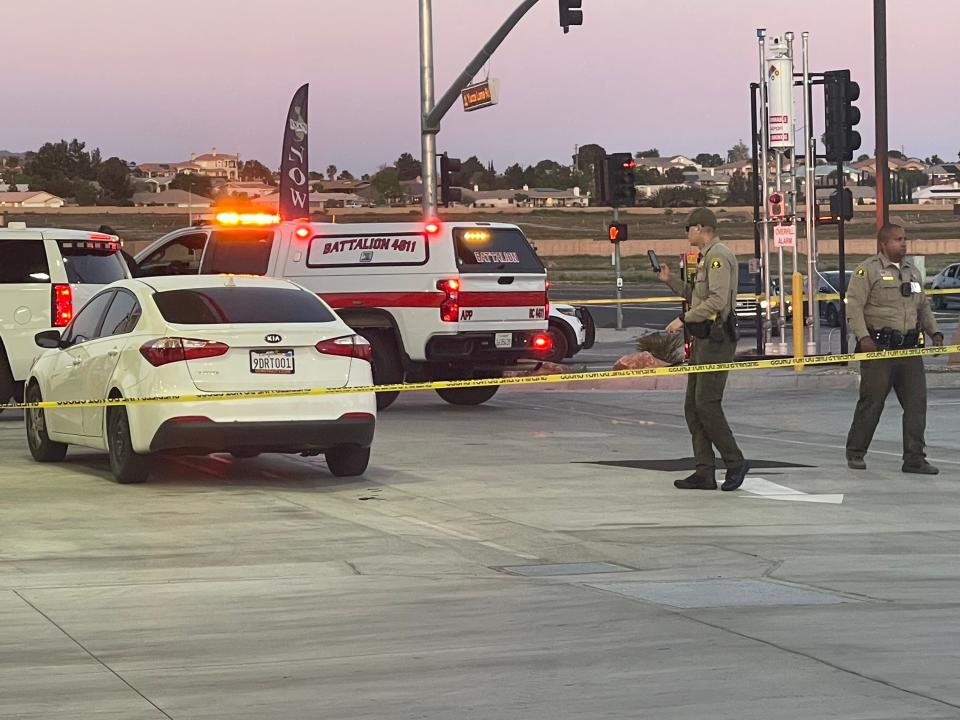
(450, 307)
(61, 305)
(353, 346)
(546, 297)
(542, 342)
(167, 350)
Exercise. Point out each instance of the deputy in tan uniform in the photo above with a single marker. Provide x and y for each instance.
(712, 323)
(887, 309)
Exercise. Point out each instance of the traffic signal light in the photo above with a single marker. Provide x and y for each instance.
(841, 206)
(621, 176)
(841, 115)
(448, 194)
(617, 232)
(777, 205)
(570, 14)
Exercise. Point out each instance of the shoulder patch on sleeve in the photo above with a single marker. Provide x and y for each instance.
(715, 264)
(861, 272)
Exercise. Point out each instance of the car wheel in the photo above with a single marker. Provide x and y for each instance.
(347, 460)
(387, 369)
(833, 316)
(468, 395)
(127, 465)
(41, 446)
(244, 454)
(561, 343)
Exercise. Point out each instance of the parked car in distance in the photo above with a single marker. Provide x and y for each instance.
(946, 279)
(830, 284)
(191, 335)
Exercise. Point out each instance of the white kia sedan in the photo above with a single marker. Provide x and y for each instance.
(191, 335)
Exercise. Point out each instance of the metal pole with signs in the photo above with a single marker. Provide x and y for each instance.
(432, 114)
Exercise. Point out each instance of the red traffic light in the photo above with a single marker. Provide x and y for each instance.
(776, 199)
(617, 232)
(630, 164)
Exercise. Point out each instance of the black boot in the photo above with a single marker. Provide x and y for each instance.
(696, 482)
(736, 475)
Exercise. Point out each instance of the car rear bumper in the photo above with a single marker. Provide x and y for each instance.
(202, 435)
(480, 347)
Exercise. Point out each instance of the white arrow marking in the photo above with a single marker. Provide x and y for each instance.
(772, 491)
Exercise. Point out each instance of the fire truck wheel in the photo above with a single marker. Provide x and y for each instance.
(387, 369)
(468, 396)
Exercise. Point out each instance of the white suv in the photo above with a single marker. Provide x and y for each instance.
(46, 275)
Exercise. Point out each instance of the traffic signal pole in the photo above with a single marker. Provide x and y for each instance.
(880, 99)
(842, 250)
(431, 114)
(616, 269)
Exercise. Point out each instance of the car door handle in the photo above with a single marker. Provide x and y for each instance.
(113, 353)
(76, 361)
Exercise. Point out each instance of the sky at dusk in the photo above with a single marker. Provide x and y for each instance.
(154, 82)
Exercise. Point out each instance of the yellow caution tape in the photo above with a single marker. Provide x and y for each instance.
(741, 296)
(523, 380)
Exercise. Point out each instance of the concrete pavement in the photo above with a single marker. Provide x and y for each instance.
(267, 588)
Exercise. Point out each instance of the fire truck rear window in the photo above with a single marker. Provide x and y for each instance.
(240, 252)
(494, 250)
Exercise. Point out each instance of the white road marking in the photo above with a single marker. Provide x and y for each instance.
(772, 491)
(465, 536)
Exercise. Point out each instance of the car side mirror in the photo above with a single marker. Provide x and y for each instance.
(48, 339)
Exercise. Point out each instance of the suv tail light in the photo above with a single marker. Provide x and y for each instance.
(546, 297)
(353, 346)
(61, 305)
(168, 350)
(450, 307)
(542, 342)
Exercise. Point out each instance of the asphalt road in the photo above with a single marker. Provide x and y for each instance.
(525, 559)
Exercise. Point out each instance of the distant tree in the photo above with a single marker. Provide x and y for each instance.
(738, 153)
(512, 177)
(674, 175)
(345, 175)
(365, 177)
(331, 172)
(862, 156)
(934, 160)
(913, 178)
(680, 197)
(253, 170)
(314, 175)
(589, 163)
(896, 154)
(740, 189)
(408, 167)
(85, 193)
(386, 183)
(197, 184)
(651, 153)
(114, 178)
(472, 172)
(708, 160)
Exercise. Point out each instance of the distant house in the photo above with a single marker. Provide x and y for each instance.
(247, 189)
(944, 174)
(171, 198)
(662, 164)
(869, 166)
(30, 199)
(339, 186)
(214, 164)
(937, 194)
(550, 198)
(489, 198)
(744, 166)
(862, 195)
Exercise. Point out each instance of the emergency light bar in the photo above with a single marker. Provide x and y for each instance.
(235, 218)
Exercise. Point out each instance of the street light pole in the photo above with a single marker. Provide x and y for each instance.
(880, 112)
(428, 136)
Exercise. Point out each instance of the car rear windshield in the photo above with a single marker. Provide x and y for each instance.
(23, 261)
(98, 265)
(243, 305)
(486, 250)
(240, 252)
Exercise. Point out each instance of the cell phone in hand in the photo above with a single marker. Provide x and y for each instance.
(654, 263)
